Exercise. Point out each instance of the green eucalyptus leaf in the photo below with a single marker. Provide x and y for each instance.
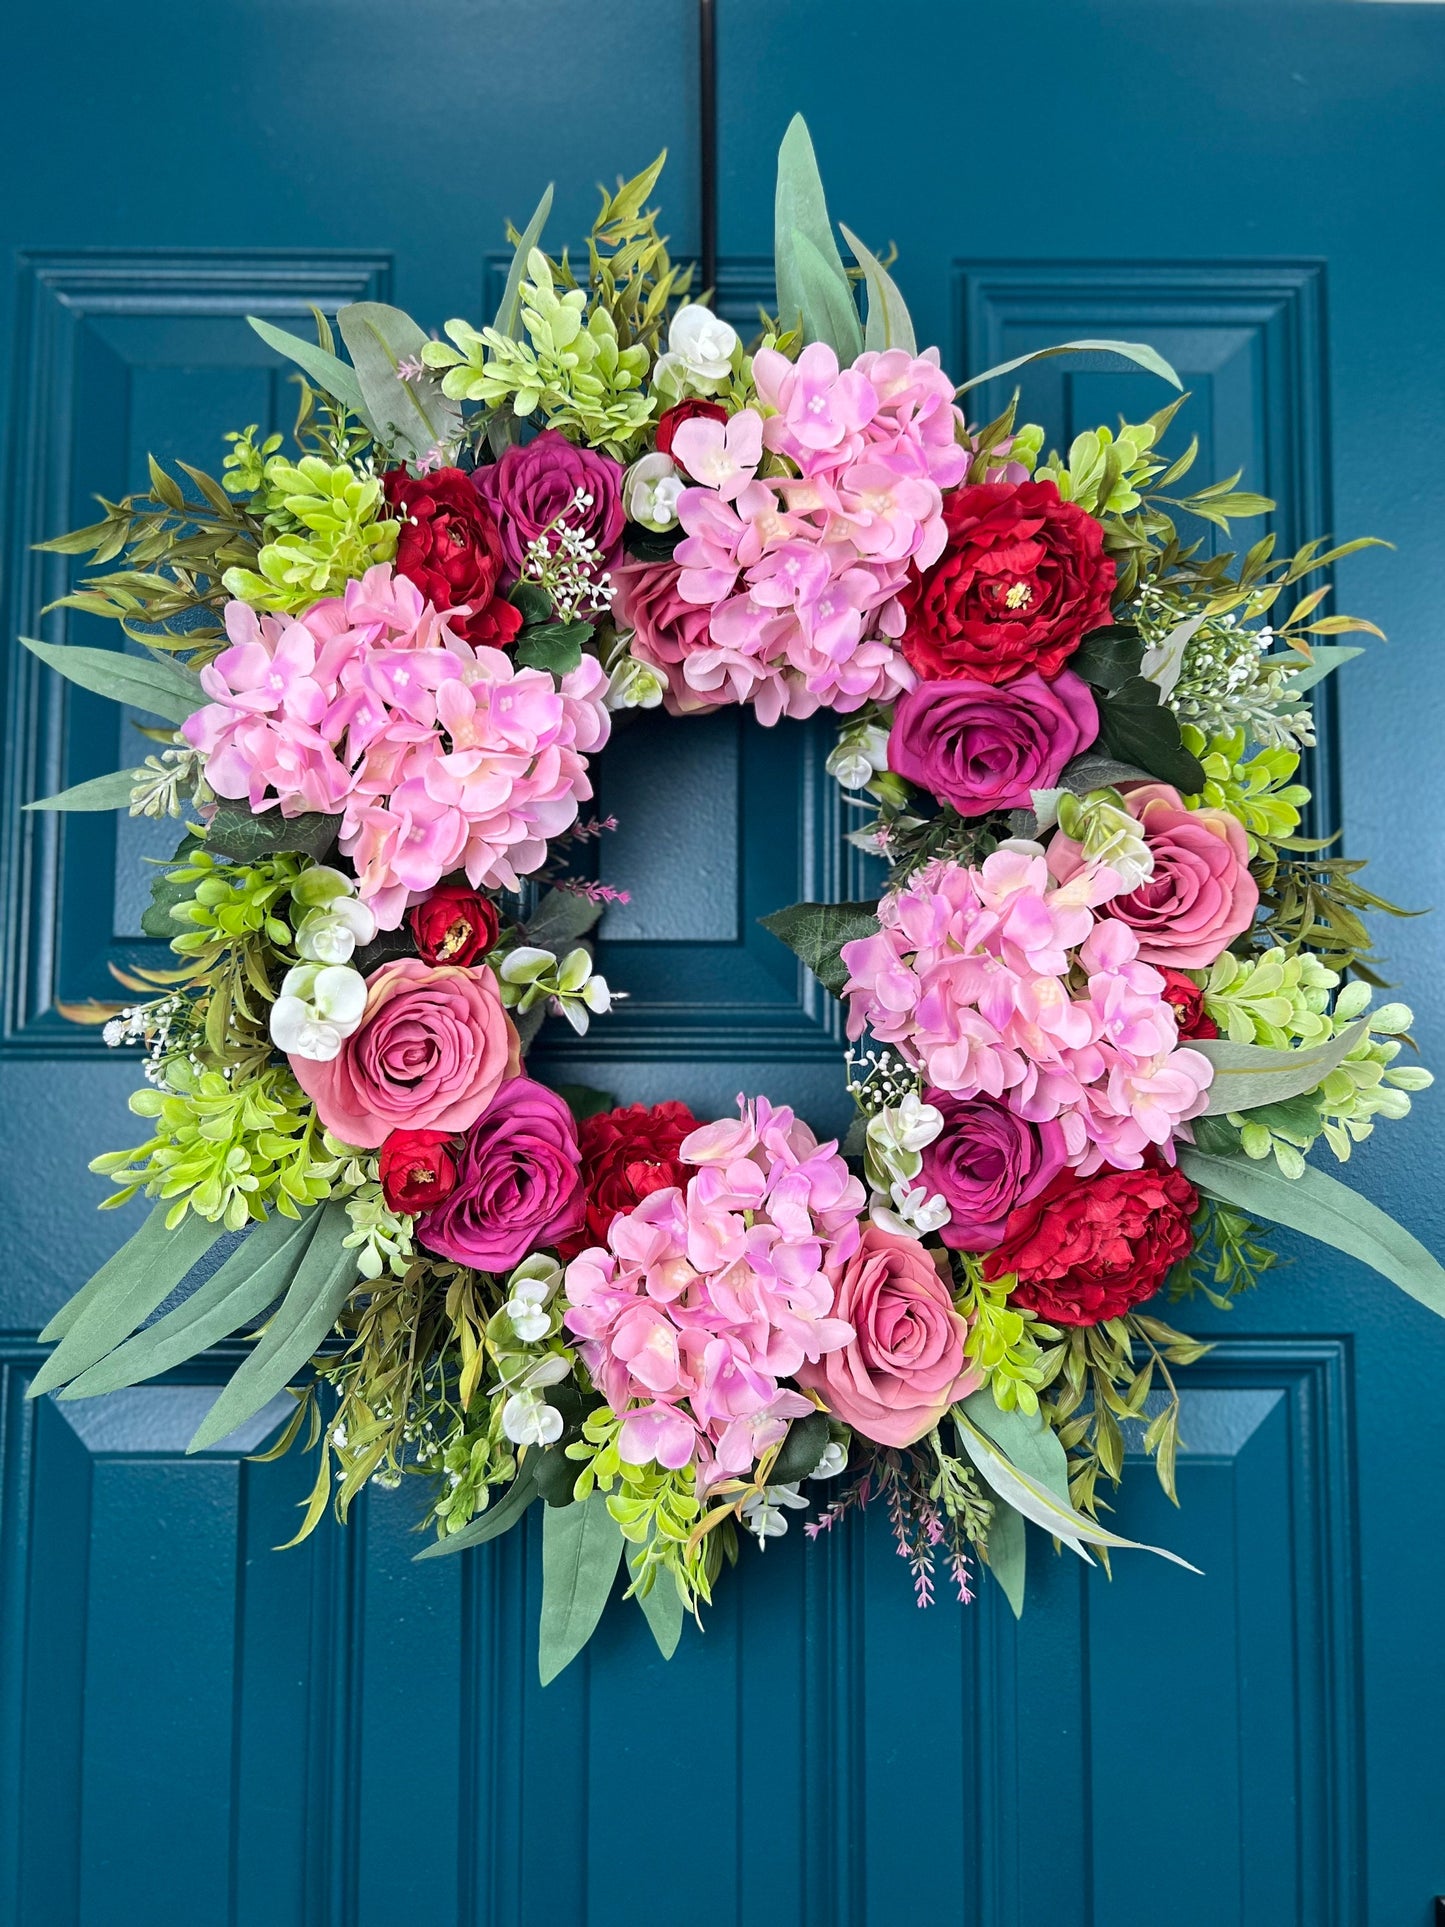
(324, 1280)
(327, 370)
(830, 314)
(1093, 772)
(257, 1272)
(1248, 1075)
(1008, 1553)
(413, 418)
(560, 919)
(100, 793)
(811, 281)
(1026, 1438)
(816, 932)
(1030, 1496)
(123, 1294)
(1139, 352)
(165, 689)
(581, 1551)
(234, 832)
(500, 1516)
(889, 323)
(1324, 1209)
(1324, 657)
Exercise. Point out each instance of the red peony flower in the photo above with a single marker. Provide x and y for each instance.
(449, 545)
(628, 1154)
(671, 419)
(1188, 1001)
(1023, 580)
(456, 925)
(417, 1169)
(1089, 1248)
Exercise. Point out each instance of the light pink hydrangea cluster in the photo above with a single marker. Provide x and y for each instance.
(801, 570)
(439, 756)
(969, 978)
(707, 1297)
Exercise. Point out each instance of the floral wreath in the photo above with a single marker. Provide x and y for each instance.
(1111, 997)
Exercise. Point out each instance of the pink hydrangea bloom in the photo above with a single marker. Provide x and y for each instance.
(437, 755)
(801, 571)
(974, 977)
(707, 1297)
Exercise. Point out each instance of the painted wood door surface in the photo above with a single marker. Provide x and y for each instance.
(196, 1729)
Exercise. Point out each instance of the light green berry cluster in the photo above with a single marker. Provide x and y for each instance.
(1255, 787)
(327, 529)
(571, 367)
(1278, 999)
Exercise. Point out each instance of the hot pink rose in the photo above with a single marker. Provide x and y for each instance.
(905, 1365)
(1201, 895)
(665, 629)
(433, 1048)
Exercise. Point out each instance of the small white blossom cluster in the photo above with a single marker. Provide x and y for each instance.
(892, 1163)
(530, 1317)
(530, 975)
(765, 1513)
(860, 755)
(323, 998)
(1223, 675)
(565, 561)
(165, 783)
(151, 1024)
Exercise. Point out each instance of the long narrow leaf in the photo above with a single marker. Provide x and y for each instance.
(1138, 352)
(1248, 1075)
(811, 281)
(509, 309)
(305, 1315)
(889, 322)
(327, 370)
(1324, 1209)
(661, 1605)
(123, 1294)
(1324, 658)
(100, 793)
(165, 689)
(500, 1516)
(1034, 1500)
(257, 1272)
(581, 1551)
(1008, 1554)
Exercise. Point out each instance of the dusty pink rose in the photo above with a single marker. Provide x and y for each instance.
(433, 1048)
(665, 629)
(1201, 895)
(905, 1365)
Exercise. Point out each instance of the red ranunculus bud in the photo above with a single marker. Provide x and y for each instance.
(456, 925)
(671, 419)
(1021, 582)
(418, 1169)
(449, 545)
(1188, 1001)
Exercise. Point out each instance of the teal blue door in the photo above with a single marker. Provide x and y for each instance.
(197, 1729)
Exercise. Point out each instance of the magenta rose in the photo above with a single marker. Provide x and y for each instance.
(519, 1183)
(431, 1052)
(905, 1364)
(984, 1163)
(533, 485)
(665, 629)
(1201, 895)
(984, 746)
